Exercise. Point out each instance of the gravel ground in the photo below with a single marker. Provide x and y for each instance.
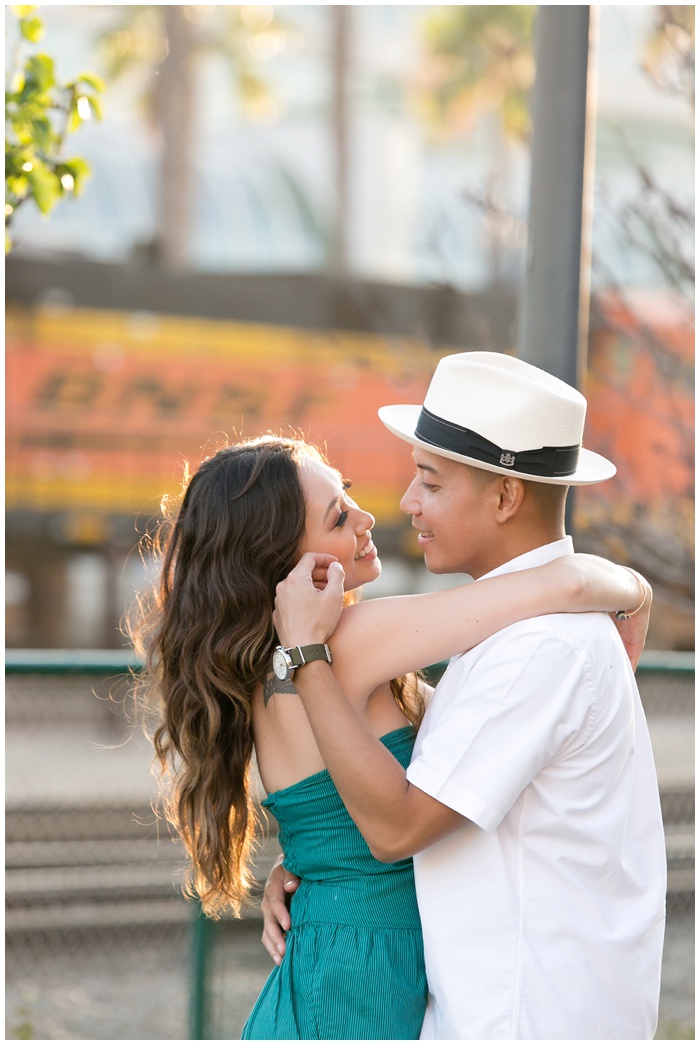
(138, 988)
(132, 989)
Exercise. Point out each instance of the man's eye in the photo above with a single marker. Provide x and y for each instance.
(428, 486)
(343, 517)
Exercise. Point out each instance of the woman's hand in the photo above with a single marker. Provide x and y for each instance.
(309, 600)
(279, 888)
(633, 628)
(604, 585)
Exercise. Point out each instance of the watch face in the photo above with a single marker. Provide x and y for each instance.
(280, 664)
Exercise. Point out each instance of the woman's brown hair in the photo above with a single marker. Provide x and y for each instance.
(206, 637)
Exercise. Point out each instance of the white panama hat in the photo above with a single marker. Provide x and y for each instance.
(501, 414)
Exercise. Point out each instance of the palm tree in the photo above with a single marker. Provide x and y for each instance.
(479, 67)
(164, 44)
(479, 61)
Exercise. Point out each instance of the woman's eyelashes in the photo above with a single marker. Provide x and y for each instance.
(342, 519)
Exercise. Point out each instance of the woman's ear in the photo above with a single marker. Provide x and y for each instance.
(511, 491)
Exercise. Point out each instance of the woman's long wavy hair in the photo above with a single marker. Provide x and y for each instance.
(206, 637)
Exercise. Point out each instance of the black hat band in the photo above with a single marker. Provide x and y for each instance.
(549, 461)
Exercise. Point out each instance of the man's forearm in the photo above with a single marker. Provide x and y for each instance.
(395, 818)
(370, 781)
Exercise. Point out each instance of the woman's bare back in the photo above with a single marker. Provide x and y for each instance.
(285, 747)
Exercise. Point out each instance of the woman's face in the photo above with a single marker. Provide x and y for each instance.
(335, 524)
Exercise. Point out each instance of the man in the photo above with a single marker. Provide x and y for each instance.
(531, 804)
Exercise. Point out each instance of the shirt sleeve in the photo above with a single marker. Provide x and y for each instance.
(527, 700)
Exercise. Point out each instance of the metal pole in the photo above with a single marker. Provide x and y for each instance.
(71, 662)
(201, 930)
(553, 320)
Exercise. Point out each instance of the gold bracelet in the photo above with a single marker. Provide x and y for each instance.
(628, 615)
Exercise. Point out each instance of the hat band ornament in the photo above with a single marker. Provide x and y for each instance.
(550, 461)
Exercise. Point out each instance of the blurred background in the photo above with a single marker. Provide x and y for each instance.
(292, 213)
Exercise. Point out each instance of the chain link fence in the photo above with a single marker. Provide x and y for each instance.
(100, 942)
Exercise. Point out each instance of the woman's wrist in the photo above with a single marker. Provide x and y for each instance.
(644, 592)
(607, 586)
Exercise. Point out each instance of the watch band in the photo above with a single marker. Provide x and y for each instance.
(300, 655)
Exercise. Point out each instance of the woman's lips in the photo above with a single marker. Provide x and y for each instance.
(367, 553)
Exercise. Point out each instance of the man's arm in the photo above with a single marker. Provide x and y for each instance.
(279, 888)
(395, 818)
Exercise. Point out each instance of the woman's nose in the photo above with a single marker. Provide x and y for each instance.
(365, 522)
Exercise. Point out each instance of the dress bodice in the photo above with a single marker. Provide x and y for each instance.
(317, 835)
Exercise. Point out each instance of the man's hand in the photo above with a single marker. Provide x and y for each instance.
(309, 601)
(279, 888)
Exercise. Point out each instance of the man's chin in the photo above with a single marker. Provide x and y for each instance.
(434, 564)
(438, 566)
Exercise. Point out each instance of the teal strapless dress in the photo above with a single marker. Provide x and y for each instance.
(353, 967)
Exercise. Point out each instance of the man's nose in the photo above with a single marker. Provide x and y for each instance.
(409, 503)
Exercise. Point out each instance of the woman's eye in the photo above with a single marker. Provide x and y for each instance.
(343, 517)
(428, 486)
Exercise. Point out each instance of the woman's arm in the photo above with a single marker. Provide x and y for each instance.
(396, 818)
(381, 639)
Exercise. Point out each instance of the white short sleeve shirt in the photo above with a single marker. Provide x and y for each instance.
(543, 917)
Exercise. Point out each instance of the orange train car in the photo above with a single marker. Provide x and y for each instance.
(103, 407)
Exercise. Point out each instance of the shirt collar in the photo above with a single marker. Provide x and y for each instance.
(537, 557)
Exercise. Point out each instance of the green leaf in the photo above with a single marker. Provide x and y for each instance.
(76, 166)
(42, 133)
(17, 186)
(24, 134)
(40, 71)
(74, 119)
(93, 80)
(95, 105)
(17, 84)
(78, 169)
(32, 139)
(45, 186)
(31, 28)
(13, 160)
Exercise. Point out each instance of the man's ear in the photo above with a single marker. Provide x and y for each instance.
(511, 491)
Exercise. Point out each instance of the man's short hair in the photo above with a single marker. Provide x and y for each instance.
(548, 498)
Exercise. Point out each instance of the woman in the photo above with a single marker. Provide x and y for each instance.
(247, 516)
